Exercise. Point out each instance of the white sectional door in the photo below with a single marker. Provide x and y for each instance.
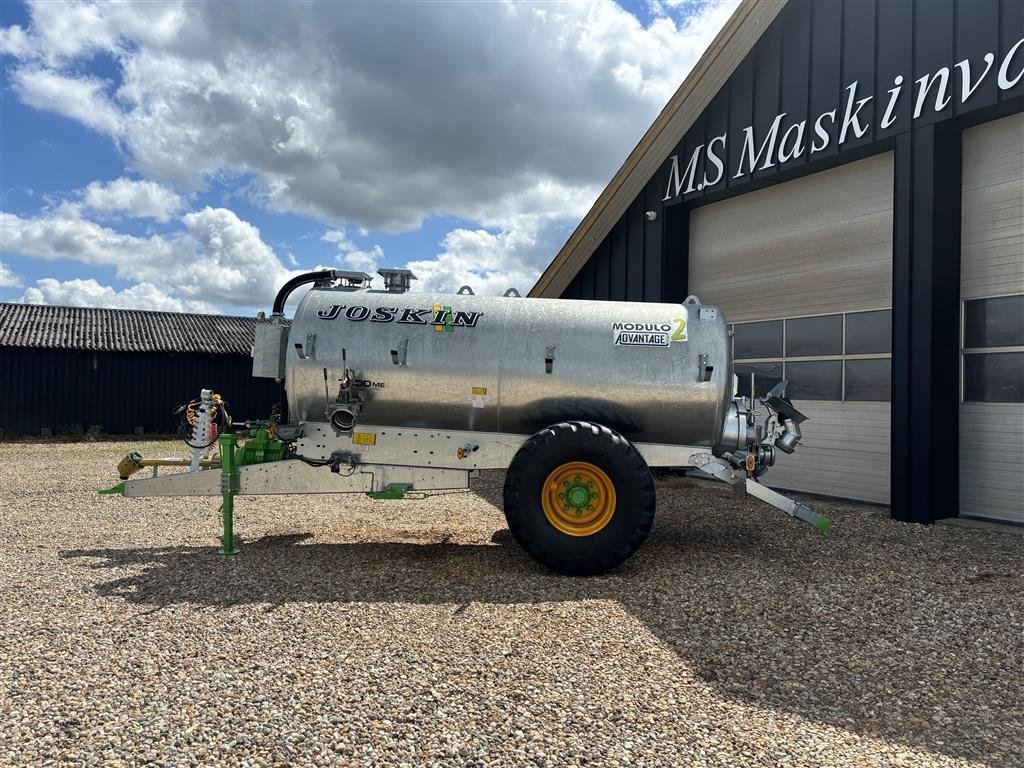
(803, 270)
(992, 321)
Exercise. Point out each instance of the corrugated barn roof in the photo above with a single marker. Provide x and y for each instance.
(123, 330)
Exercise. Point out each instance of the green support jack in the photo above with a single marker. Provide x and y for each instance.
(228, 487)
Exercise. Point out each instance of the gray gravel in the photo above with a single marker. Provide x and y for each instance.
(354, 632)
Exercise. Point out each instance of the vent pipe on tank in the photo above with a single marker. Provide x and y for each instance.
(396, 280)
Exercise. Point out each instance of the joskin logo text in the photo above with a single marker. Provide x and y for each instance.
(442, 318)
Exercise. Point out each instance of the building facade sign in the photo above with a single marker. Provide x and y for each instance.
(780, 146)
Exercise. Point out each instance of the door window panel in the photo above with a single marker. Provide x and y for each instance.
(994, 378)
(869, 380)
(754, 340)
(994, 322)
(815, 380)
(808, 336)
(766, 376)
(852, 352)
(869, 333)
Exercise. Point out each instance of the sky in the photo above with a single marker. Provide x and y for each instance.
(190, 156)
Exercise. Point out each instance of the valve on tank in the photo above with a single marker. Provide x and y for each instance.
(752, 446)
(344, 411)
(789, 418)
(345, 416)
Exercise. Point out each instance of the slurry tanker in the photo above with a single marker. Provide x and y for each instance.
(391, 391)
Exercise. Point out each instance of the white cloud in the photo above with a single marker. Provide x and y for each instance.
(139, 199)
(228, 261)
(89, 293)
(81, 98)
(66, 236)
(14, 41)
(340, 238)
(216, 259)
(62, 31)
(9, 279)
(375, 116)
(363, 260)
(487, 262)
(351, 256)
(516, 242)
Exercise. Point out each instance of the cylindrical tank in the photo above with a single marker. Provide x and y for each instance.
(657, 373)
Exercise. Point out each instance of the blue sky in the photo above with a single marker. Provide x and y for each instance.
(190, 156)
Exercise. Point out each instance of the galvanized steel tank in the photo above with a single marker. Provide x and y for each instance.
(658, 373)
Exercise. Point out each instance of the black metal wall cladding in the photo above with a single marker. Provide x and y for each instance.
(802, 66)
(119, 391)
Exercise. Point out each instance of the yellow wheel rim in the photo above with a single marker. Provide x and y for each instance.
(578, 498)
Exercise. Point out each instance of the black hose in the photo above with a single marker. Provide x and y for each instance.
(185, 428)
(295, 282)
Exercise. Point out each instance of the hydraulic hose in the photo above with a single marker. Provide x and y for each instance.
(295, 282)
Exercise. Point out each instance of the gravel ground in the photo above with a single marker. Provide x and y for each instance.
(354, 632)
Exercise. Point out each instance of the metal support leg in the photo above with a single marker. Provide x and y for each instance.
(746, 485)
(229, 487)
(788, 505)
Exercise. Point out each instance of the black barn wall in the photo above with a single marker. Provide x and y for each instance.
(119, 391)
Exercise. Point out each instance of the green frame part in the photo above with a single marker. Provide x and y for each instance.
(259, 448)
(391, 491)
(229, 487)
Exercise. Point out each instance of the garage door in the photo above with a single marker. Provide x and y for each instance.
(804, 272)
(992, 314)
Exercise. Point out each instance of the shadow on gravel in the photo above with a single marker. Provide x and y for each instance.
(859, 634)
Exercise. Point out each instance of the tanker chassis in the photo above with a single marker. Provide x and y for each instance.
(391, 391)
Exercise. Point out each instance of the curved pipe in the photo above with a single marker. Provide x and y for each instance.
(295, 282)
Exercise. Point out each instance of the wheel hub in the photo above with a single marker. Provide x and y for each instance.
(577, 495)
(578, 498)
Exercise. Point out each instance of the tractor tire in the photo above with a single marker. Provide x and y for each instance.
(579, 498)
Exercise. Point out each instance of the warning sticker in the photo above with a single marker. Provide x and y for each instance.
(478, 397)
(479, 390)
(364, 438)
